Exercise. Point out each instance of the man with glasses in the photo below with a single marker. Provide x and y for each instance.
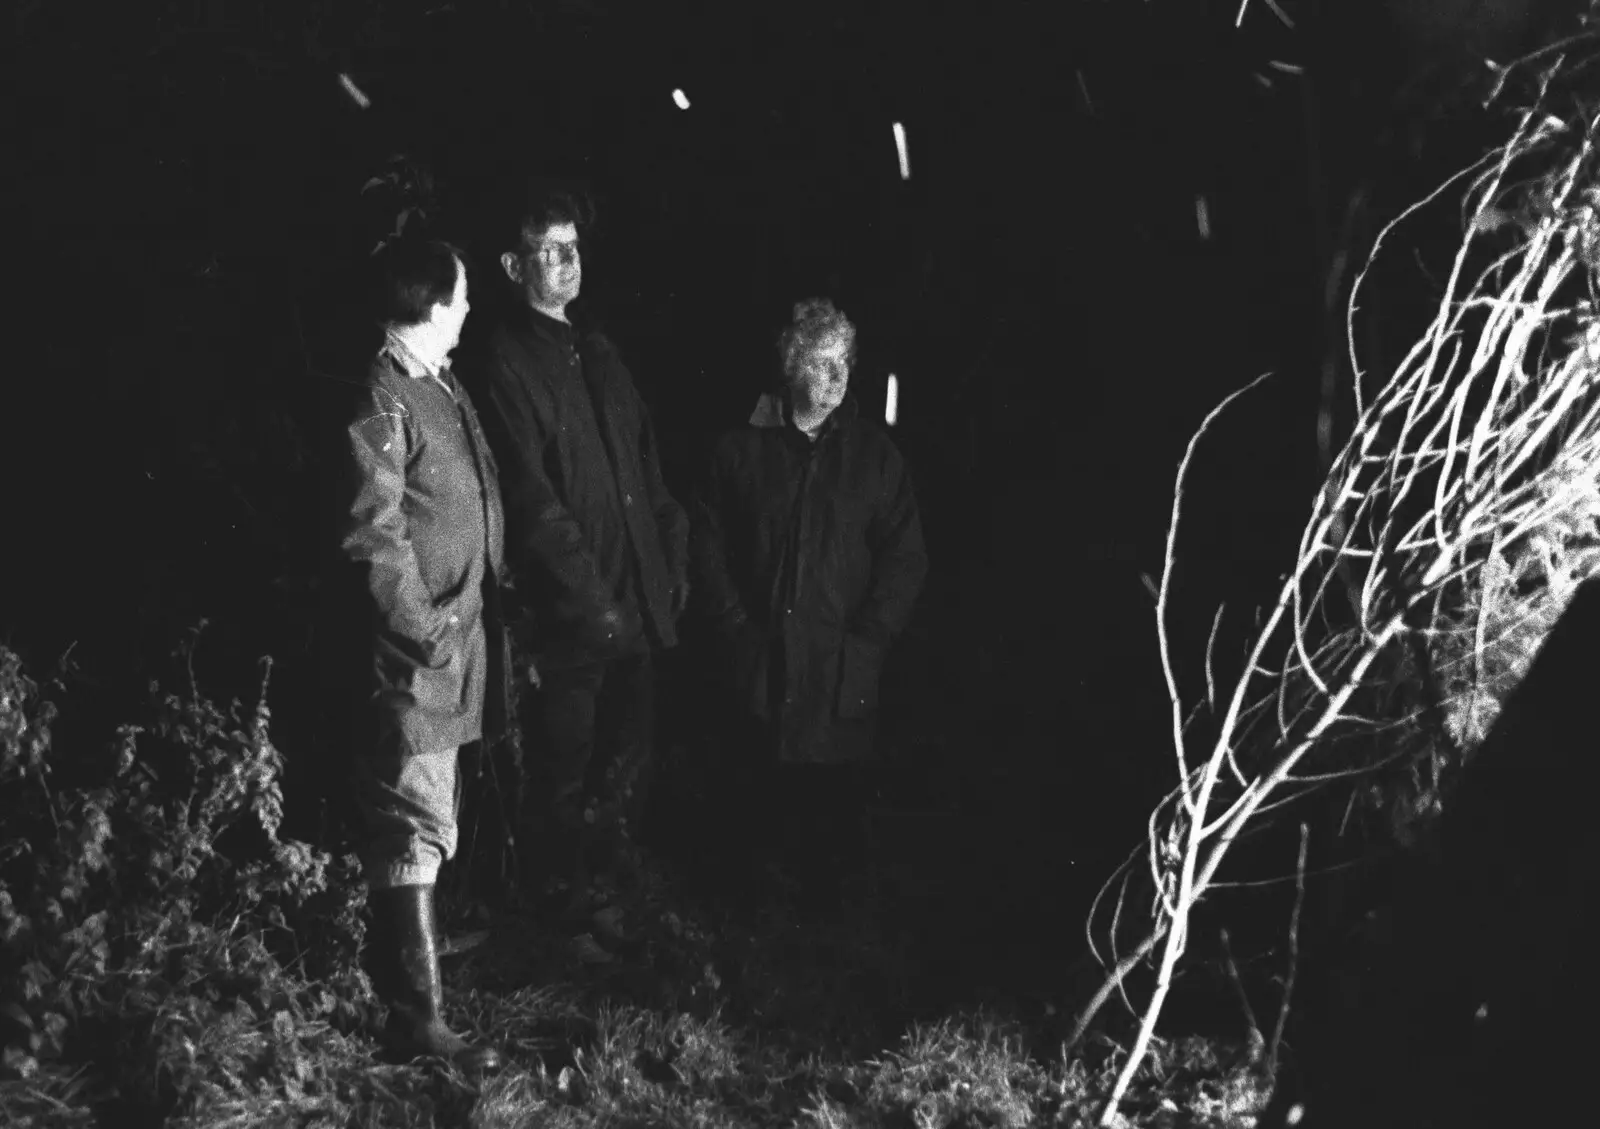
(596, 545)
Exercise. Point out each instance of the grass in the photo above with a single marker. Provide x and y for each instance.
(167, 959)
(703, 1022)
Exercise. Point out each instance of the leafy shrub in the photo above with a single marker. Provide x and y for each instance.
(151, 918)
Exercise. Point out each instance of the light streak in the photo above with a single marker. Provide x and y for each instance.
(891, 400)
(354, 91)
(1202, 217)
(900, 147)
(1283, 17)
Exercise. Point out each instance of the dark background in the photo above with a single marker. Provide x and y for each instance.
(188, 179)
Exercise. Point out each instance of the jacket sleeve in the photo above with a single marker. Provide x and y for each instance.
(671, 519)
(543, 540)
(714, 589)
(899, 560)
(373, 525)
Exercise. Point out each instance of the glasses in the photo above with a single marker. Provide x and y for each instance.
(552, 253)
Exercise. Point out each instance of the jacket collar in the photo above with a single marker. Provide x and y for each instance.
(772, 410)
(412, 365)
(545, 326)
(407, 361)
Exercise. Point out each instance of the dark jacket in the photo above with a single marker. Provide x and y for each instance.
(809, 556)
(590, 525)
(411, 628)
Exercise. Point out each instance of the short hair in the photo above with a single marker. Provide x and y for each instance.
(815, 320)
(411, 276)
(542, 206)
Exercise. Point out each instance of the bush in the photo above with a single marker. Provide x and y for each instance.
(152, 921)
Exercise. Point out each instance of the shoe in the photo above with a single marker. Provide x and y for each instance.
(406, 977)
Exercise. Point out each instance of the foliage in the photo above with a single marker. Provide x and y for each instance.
(167, 952)
(153, 922)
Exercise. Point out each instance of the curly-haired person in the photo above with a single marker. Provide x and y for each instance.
(808, 555)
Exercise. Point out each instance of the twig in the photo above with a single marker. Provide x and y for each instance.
(1211, 645)
(1112, 981)
(1355, 289)
(1167, 562)
(1252, 1028)
(1294, 954)
(1464, 447)
(1116, 924)
(1196, 875)
(1094, 906)
(189, 648)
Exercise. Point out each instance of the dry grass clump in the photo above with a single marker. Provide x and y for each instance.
(981, 1072)
(950, 1073)
(629, 1066)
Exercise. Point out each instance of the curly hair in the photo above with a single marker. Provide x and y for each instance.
(540, 205)
(815, 321)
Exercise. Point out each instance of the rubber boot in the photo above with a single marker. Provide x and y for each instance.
(406, 977)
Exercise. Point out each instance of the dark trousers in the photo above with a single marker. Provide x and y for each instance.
(589, 738)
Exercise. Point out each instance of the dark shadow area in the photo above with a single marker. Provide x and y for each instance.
(1472, 996)
(1018, 296)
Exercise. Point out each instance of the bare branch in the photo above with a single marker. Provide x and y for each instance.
(1252, 1028)
(1294, 955)
(1468, 458)
(1166, 572)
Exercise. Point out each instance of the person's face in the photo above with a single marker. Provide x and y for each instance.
(448, 318)
(820, 375)
(548, 266)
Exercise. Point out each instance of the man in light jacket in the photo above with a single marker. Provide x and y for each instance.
(414, 647)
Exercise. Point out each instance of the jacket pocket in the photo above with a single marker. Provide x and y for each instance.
(452, 632)
(859, 666)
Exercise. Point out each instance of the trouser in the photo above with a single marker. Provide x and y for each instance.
(408, 803)
(589, 735)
